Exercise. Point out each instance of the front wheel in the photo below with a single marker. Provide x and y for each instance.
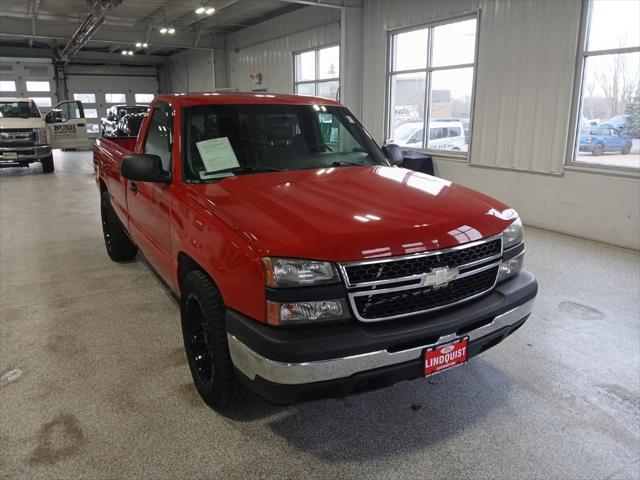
(202, 313)
(47, 164)
(119, 246)
(598, 149)
(626, 149)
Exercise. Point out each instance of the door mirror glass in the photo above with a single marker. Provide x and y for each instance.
(393, 153)
(54, 116)
(144, 167)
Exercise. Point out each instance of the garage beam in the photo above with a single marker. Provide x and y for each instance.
(93, 21)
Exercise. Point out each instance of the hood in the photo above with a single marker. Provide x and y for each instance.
(21, 122)
(352, 213)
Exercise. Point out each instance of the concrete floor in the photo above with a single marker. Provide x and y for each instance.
(95, 384)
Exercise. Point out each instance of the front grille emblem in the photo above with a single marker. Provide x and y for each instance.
(439, 277)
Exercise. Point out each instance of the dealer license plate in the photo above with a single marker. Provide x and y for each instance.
(9, 155)
(445, 356)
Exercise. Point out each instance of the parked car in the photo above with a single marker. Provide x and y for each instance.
(296, 274)
(129, 125)
(621, 123)
(26, 137)
(443, 135)
(603, 138)
(115, 113)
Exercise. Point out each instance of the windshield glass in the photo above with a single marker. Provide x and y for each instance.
(26, 109)
(238, 139)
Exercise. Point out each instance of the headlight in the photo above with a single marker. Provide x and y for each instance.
(513, 234)
(510, 267)
(288, 272)
(41, 136)
(301, 312)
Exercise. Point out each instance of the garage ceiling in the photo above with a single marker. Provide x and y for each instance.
(43, 24)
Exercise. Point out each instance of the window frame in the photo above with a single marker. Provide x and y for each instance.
(428, 71)
(167, 111)
(571, 151)
(316, 80)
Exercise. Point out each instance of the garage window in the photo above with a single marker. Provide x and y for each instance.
(430, 81)
(33, 86)
(608, 117)
(7, 86)
(317, 72)
(85, 97)
(115, 98)
(144, 98)
(44, 102)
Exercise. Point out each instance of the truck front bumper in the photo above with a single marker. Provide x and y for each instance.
(28, 154)
(289, 365)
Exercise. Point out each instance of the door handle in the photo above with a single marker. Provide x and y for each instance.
(133, 186)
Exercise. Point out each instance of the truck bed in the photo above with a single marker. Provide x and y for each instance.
(121, 145)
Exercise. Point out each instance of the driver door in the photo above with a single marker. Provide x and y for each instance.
(66, 126)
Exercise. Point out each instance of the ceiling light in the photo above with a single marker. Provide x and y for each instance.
(200, 10)
(210, 10)
(145, 45)
(123, 52)
(164, 30)
(171, 31)
(130, 52)
(139, 44)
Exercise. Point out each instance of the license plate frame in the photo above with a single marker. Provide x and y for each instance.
(435, 359)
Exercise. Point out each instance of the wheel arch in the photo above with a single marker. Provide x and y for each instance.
(187, 264)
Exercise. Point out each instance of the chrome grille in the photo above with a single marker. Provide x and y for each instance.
(16, 138)
(402, 286)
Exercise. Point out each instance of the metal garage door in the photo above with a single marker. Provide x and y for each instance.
(99, 91)
(31, 78)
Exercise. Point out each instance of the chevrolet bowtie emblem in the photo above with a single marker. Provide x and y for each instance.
(439, 277)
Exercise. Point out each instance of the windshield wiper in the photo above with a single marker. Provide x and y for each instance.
(342, 163)
(228, 172)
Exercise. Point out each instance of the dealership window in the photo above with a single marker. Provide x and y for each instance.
(430, 79)
(608, 120)
(317, 72)
(34, 86)
(115, 98)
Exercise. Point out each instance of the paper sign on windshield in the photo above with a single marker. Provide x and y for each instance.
(217, 154)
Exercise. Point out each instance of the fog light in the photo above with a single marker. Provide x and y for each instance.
(510, 267)
(295, 312)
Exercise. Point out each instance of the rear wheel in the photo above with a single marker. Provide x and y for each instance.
(119, 246)
(202, 313)
(598, 149)
(47, 164)
(626, 149)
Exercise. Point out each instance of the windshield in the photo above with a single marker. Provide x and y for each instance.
(26, 109)
(224, 140)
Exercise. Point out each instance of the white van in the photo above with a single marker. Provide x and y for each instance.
(443, 135)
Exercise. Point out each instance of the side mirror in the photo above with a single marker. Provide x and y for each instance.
(143, 167)
(393, 153)
(54, 116)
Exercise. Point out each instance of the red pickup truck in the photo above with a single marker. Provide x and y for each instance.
(306, 262)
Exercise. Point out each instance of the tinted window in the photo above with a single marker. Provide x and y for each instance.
(157, 142)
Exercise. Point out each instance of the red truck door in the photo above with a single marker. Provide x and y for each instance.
(150, 203)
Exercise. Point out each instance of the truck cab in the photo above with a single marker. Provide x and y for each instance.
(27, 137)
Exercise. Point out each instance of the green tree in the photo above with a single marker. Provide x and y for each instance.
(633, 110)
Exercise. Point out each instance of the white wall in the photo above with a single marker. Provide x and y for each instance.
(526, 59)
(188, 71)
(268, 47)
(20, 70)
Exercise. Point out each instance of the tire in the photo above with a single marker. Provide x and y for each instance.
(202, 312)
(626, 149)
(47, 164)
(598, 149)
(119, 246)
